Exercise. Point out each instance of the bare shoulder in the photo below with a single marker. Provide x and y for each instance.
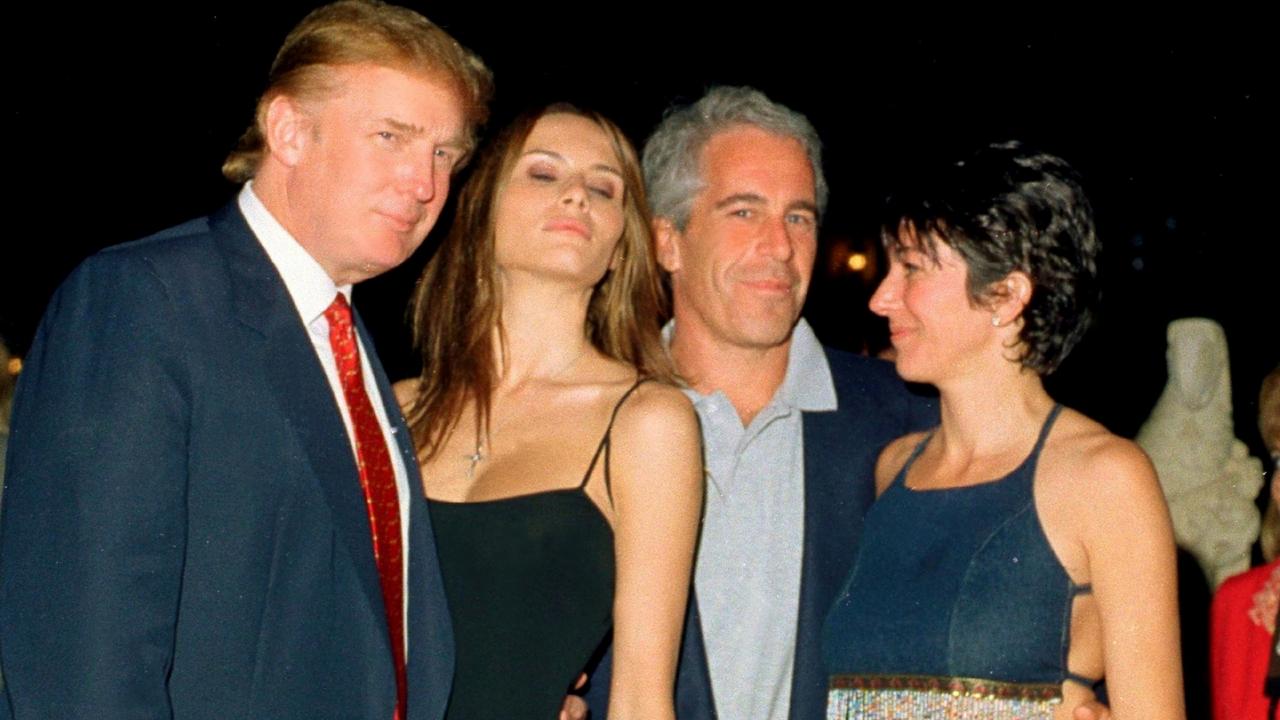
(1096, 459)
(656, 455)
(655, 410)
(1099, 476)
(656, 427)
(406, 390)
(894, 456)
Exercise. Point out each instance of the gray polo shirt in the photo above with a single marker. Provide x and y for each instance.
(747, 573)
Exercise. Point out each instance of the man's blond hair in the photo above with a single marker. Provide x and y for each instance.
(354, 32)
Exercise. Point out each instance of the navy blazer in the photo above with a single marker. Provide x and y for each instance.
(874, 407)
(184, 532)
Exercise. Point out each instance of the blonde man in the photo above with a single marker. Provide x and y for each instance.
(208, 510)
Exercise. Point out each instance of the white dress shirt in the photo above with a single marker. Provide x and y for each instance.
(312, 292)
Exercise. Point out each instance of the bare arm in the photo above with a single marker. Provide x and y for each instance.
(1089, 710)
(656, 471)
(1128, 539)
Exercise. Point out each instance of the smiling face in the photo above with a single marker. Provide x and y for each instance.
(560, 212)
(934, 326)
(368, 167)
(740, 269)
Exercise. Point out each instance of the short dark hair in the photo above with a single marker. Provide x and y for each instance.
(1010, 208)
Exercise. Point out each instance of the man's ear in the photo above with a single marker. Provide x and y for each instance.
(287, 130)
(667, 241)
(1009, 296)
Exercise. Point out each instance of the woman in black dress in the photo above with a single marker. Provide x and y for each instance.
(562, 467)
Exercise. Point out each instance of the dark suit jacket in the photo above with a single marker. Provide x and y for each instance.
(840, 451)
(184, 531)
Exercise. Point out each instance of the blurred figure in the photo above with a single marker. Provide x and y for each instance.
(562, 467)
(1243, 619)
(1019, 552)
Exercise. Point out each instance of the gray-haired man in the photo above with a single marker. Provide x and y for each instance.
(791, 429)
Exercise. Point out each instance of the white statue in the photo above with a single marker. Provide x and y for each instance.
(1208, 476)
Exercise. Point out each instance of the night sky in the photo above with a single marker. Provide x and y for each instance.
(120, 118)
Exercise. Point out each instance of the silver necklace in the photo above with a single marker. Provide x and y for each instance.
(478, 455)
(475, 457)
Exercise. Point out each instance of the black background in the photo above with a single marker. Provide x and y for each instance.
(119, 117)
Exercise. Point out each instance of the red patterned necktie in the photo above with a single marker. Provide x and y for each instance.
(378, 480)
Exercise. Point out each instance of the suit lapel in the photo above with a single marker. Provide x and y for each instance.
(834, 504)
(301, 389)
(399, 430)
(832, 510)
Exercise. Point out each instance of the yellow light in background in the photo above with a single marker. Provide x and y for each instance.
(15, 365)
(857, 261)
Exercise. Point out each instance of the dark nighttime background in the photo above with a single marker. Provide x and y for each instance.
(119, 117)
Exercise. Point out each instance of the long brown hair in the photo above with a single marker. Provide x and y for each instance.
(457, 304)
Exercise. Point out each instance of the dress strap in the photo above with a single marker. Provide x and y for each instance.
(1026, 472)
(901, 477)
(1046, 427)
(1088, 682)
(603, 447)
(1078, 589)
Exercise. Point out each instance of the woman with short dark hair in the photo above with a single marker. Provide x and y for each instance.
(1019, 552)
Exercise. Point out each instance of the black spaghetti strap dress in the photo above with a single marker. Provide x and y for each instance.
(529, 580)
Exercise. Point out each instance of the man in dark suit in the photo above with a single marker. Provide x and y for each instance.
(210, 507)
(791, 429)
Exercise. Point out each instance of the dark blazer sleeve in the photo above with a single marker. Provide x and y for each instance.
(94, 500)
(840, 449)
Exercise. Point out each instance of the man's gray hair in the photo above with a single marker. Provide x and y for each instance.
(673, 153)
